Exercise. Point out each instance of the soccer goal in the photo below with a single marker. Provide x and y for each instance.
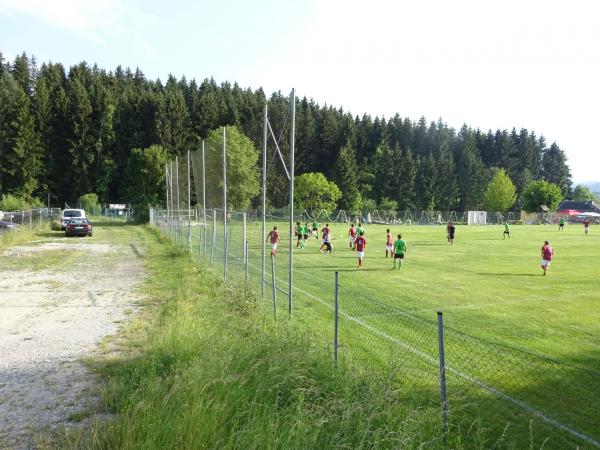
(477, 218)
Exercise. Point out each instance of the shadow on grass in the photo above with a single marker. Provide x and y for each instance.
(112, 223)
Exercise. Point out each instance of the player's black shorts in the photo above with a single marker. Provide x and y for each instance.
(398, 255)
(451, 235)
(299, 237)
(305, 236)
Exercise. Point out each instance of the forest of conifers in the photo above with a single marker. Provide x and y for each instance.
(67, 133)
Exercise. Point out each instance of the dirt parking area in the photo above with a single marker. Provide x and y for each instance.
(58, 299)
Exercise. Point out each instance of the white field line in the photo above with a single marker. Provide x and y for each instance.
(435, 362)
(381, 314)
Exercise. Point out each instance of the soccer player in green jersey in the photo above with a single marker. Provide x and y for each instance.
(399, 250)
(506, 231)
(298, 231)
(360, 230)
(305, 231)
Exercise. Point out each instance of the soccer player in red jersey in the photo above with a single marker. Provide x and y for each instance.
(351, 236)
(547, 255)
(389, 244)
(326, 241)
(360, 243)
(274, 238)
(586, 226)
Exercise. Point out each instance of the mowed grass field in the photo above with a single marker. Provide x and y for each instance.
(486, 286)
(536, 338)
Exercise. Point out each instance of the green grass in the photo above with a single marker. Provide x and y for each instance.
(531, 337)
(205, 366)
(22, 234)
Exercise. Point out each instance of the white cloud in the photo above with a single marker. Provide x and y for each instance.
(490, 64)
(97, 20)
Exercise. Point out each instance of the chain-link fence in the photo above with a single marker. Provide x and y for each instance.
(514, 393)
(14, 224)
(468, 380)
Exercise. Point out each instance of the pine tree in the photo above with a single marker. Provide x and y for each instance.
(10, 98)
(23, 71)
(447, 191)
(307, 158)
(405, 183)
(346, 178)
(172, 120)
(81, 144)
(555, 169)
(426, 182)
(26, 150)
(385, 172)
(470, 171)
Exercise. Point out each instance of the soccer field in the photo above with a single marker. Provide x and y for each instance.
(511, 333)
(486, 286)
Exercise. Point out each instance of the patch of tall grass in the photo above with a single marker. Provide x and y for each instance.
(21, 234)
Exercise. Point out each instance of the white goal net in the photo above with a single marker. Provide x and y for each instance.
(477, 218)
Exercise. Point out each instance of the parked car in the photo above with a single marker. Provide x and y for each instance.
(7, 225)
(68, 214)
(78, 227)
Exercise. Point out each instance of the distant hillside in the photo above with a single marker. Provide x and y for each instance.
(593, 185)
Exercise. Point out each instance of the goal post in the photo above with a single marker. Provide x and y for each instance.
(477, 218)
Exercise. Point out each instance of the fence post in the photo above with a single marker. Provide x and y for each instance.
(214, 236)
(444, 399)
(201, 229)
(246, 265)
(225, 251)
(273, 286)
(336, 318)
(244, 236)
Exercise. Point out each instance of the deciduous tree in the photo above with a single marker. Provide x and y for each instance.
(314, 192)
(540, 192)
(500, 194)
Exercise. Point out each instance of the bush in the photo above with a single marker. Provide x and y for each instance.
(368, 204)
(388, 204)
(89, 202)
(12, 202)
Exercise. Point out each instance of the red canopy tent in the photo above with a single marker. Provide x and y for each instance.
(569, 212)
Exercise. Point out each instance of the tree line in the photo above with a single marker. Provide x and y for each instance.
(68, 133)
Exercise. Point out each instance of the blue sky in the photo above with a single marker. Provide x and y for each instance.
(532, 64)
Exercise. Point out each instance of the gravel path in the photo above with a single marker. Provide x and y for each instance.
(49, 320)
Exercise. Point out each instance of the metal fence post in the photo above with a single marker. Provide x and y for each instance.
(201, 228)
(214, 236)
(225, 251)
(273, 286)
(189, 205)
(246, 266)
(336, 318)
(444, 399)
(244, 236)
